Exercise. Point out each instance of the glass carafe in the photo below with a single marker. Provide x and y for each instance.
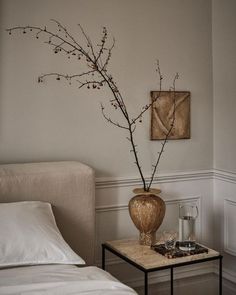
(187, 224)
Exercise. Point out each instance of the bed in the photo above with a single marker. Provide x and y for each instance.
(34, 258)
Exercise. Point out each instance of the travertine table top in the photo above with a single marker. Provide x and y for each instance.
(148, 258)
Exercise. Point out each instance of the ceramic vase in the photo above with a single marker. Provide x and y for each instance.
(147, 211)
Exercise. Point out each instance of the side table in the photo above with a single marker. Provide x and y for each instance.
(147, 260)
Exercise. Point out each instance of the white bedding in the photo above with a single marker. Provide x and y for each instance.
(60, 280)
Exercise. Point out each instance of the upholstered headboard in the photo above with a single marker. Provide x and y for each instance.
(68, 186)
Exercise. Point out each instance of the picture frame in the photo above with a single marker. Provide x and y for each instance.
(162, 114)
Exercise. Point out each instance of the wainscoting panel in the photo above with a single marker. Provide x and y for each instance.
(230, 227)
(225, 220)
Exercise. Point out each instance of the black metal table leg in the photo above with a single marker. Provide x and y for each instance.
(220, 275)
(146, 283)
(171, 281)
(103, 257)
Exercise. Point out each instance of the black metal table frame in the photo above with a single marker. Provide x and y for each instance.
(171, 267)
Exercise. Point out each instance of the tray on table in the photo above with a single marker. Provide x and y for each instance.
(175, 253)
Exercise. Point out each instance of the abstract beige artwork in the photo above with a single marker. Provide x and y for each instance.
(162, 114)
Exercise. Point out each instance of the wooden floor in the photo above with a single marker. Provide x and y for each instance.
(200, 285)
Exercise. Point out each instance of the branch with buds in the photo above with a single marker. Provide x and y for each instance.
(97, 58)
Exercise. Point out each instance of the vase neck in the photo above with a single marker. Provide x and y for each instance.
(153, 191)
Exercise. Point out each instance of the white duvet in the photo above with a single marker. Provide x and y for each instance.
(60, 280)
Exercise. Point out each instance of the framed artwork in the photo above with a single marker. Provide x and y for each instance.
(162, 114)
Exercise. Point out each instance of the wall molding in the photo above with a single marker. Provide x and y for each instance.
(110, 182)
(224, 175)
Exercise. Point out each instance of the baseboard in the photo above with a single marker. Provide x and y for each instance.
(161, 276)
(179, 273)
(227, 274)
(164, 276)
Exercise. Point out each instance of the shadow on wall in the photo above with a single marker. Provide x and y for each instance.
(3, 78)
(1, 55)
(3, 70)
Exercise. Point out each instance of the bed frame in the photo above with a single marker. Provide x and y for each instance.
(68, 186)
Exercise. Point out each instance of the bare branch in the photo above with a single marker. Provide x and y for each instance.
(91, 84)
(148, 106)
(104, 68)
(67, 34)
(166, 135)
(67, 77)
(89, 42)
(103, 42)
(109, 120)
(97, 59)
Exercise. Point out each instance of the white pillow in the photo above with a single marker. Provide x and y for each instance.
(29, 235)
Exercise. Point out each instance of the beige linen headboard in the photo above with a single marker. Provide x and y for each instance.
(68, 186)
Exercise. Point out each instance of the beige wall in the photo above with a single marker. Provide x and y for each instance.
(224, 73)
(53, 121)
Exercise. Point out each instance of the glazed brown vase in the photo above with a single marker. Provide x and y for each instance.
(147, 211)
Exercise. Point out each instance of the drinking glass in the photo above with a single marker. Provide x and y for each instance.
(170, 238)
